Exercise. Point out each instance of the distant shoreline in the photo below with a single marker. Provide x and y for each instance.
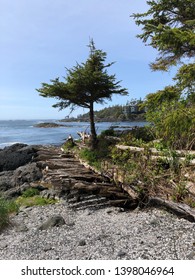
(104, 120)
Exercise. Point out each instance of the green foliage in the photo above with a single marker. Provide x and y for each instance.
(33, 201)
(110, 113)
(117, 113)
(91, 156)
(180, 192)
(102, 151)
(139, 136)
(174, 120)
(169, 27)
(121, 157)
(164, 177)
(6, 207)
(107, 132)
(68, 145)
(85, 84)
(30, 197)
(30, 192)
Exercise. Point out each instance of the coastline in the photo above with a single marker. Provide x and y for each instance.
(12, 132)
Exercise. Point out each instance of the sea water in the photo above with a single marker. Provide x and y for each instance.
(25, 131)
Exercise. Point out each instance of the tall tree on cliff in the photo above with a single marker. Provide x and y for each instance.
(85, 84)
(169, 27)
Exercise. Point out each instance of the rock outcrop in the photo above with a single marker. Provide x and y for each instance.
(16, 155)
(48, 125)
(18, 169)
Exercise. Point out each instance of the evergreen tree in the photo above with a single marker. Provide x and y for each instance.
(169, 27)
(85, 84)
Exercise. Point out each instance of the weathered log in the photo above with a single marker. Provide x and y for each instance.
(158, 156)
(153, 150)
(181, 210)
(130, 191)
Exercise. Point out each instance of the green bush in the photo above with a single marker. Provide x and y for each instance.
(68, 145)
(107, 132)
(139, 135)
(91, 156)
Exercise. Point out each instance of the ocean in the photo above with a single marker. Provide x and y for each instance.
(24, 131)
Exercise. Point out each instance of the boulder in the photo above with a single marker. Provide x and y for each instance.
(26, 174)
(5, 183)
(54, 221)
(14, 183)
(16, 155)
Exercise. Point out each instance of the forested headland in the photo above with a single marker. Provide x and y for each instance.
(117, 113)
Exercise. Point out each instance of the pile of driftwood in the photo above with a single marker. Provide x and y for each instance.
(69, 177)
(118, 178)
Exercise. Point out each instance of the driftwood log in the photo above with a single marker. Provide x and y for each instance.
(158, 154)
(181, 210)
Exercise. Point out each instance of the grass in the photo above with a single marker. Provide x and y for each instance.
(30, 192)
(29, 197)
(101, 153)
(34, 201)
(6, 208)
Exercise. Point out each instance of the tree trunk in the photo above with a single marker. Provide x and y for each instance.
(92, 127)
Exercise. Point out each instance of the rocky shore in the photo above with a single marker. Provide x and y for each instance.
(88, 222)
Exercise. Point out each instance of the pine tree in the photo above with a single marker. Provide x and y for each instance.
(85, 84)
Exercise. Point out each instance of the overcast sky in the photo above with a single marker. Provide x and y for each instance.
(39, 38)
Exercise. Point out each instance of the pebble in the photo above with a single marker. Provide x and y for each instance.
(104, 234)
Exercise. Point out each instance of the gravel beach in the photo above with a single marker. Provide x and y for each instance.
(107, 234)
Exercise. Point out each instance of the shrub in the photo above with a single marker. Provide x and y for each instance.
(107, 132)
(139, 136)
(68, 145)
(91, 156)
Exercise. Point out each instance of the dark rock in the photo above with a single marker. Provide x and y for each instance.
(50, 194)
(121, 254)
(47, 248)
(5, 183)
(14, 183)
(14, 192)
(16, 155)
(71, 224)
(191, 256)
(3, 245)
(54, 221)
(21, 228)
(82, 242)
(26, 174)
(48, 125)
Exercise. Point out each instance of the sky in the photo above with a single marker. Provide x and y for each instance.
(40, 38)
